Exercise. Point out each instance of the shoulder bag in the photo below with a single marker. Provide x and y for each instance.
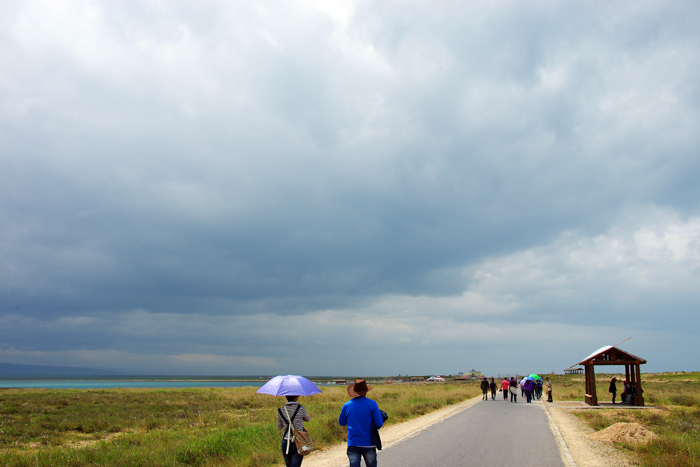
(302, 438)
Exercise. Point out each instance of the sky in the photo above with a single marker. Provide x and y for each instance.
(349, 187)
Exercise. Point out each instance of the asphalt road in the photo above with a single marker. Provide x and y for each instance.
(491, 433)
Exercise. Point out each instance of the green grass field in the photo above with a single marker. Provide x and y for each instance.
(181, 427)
(236, 427)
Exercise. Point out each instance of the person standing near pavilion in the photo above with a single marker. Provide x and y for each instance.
(613, 388)
(548, 383)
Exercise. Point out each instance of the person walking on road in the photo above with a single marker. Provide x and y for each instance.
(492, 386)
(504, 388)
(548, 383)
(484, 389)
(358, 414)
(296, 413)
(527, 386)
(513, 389)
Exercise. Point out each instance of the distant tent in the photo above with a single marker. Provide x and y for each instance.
(436, 378)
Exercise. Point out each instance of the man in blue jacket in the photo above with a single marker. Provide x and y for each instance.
(358, 414)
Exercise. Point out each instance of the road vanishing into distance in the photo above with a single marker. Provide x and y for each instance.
(491, 433)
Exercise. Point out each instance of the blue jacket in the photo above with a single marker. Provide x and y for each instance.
(358, 414)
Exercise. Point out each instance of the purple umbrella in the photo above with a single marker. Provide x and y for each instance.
(289, 385)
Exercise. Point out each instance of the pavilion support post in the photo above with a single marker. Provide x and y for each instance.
(640, 393)
(591, 397)
(631, 380)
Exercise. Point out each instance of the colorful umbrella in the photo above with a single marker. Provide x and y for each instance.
(289, 385)
(534, 376)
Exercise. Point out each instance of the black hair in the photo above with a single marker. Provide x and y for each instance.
(291, 398)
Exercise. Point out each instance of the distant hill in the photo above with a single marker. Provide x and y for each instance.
(12, 370)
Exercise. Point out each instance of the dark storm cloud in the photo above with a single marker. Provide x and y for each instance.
(426, 169)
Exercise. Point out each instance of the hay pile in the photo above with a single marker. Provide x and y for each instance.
(630, 433)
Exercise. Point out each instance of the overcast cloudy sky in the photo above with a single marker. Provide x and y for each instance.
(348, 187)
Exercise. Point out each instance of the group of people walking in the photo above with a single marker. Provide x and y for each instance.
(529, 388)
(360, 415)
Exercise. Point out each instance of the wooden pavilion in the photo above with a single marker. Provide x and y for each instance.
(611, 355)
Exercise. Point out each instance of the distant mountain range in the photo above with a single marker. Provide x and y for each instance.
(12, 370)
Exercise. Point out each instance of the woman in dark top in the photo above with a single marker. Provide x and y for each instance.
(297, 413)
(513, 389)
(613, 389)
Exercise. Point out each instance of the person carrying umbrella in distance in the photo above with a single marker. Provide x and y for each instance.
(358, 414)
(292, 414)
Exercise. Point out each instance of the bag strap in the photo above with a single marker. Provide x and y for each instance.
(289, 420)
(289, 423)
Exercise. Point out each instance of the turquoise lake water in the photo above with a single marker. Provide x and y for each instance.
(124, 383)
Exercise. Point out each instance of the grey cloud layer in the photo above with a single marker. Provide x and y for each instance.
(271, 160)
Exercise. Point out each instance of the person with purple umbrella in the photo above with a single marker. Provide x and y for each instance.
(292, 414)
(295, 412)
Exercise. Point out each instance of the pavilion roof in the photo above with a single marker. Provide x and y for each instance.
(611, 355)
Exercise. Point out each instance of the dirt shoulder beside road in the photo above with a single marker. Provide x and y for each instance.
(585, 452)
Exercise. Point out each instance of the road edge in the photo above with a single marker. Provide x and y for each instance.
(563, 448)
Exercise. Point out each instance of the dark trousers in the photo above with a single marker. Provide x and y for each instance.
(549, 396)
(356, 454)
(293, 459)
